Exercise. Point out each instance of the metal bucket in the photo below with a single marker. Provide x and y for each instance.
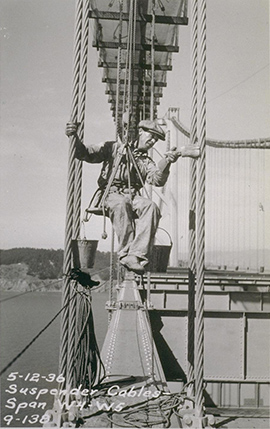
(159, 259)
(84, 252)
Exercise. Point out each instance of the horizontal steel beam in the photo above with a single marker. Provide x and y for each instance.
(136, 82)
(134, 100)
(138, 47)
(136, 94)
(159, 19)
(114, 65)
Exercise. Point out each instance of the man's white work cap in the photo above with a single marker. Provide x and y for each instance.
(153, 128)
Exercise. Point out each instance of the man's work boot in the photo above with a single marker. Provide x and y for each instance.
(191, 151)
(131, 262)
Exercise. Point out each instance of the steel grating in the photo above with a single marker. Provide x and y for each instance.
(168, 15)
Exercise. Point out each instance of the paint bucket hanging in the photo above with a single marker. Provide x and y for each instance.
(159, 259)
(84, 253)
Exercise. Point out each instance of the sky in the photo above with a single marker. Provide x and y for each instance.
(36, 39)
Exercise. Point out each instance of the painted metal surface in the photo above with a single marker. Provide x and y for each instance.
(237, 341)
(134, 374)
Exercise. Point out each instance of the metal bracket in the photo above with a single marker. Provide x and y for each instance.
(190, 420)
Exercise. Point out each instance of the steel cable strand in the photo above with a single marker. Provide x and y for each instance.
(199, 355)
(165, 407)
(147, 406)
(156, 410)
(78, 363)
(82, 343)
(78, 164)
(66, 359)
(192, 198)
(133, 160)
(87, 356)
(34, 339)
(133, 134)
(119, 59)
(111, 273)
(129, 67)
(153, 21)
(66, 291)
(149, 410)
(81, 113)
(126, 82)
(260, 143)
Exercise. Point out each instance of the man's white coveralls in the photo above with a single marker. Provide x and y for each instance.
(135, 219)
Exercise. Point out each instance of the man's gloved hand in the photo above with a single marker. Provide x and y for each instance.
(172, 155)
(190, 151)
(71, 129)
(185, 151)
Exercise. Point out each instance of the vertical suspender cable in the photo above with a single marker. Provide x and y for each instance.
(192, 195)
(199, 350)
(134, 114)
(152, 89)
(81, 114)
(152, 106)
(132, 51)
(78, 177)
(111, 274)
(64, 358)
(257, 205)
(119, 59)
(129, 65)
(118, 128)
(152, 83)
(263, 208)
(144, 95)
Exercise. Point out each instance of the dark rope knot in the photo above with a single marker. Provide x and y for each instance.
(83, 278)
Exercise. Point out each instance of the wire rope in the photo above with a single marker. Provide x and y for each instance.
(111, 273)
(28, 291)
(192, 195)
(259, 143)
(200, 236)
(65, 358)
(34, 339)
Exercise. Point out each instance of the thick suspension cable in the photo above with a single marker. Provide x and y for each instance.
(78, 179)
(63, 363)
(192, 197)
(200, 231)
(260, 143)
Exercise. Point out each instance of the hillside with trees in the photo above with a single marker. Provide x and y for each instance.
(26, 268)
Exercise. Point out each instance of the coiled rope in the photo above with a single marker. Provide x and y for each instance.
(88, 364)
(151, 412)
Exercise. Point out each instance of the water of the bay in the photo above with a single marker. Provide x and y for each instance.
(21, 319)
